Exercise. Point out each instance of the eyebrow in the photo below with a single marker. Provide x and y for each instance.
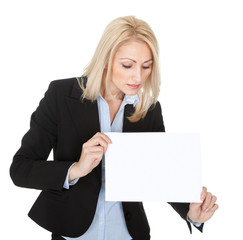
(135, 61)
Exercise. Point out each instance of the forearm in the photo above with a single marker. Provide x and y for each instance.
(38, 174)
(182, 209)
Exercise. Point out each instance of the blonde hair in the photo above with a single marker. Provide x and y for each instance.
(117, 33)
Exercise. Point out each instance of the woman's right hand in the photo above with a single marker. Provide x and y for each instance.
(92, 152)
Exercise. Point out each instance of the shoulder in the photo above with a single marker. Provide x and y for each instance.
(154, 112)
(156, 107)
(155, 118)
(63, 84)
(66, 87)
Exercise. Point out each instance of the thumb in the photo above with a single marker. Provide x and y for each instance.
(195, 206)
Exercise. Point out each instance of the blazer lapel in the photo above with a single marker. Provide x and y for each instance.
(84, 113)
(127, 125)
(85, 118)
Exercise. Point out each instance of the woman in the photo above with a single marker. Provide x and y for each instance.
(118, 92)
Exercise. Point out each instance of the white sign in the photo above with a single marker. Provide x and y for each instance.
(153, 167)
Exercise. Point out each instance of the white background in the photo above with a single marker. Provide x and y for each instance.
(201, 58)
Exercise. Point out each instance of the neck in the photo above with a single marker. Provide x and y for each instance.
(115, 96)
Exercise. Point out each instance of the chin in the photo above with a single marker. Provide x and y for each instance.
(131, 92)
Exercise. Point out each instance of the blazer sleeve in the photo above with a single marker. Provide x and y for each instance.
(30, 168)
(181, 208)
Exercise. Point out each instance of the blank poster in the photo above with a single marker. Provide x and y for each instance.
(153, 167)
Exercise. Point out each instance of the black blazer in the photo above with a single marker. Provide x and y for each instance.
(63, 122)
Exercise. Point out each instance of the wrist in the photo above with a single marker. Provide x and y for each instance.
(75, 172)
(191, 216)
(195, 223)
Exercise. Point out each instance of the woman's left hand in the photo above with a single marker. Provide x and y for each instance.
(202, 212)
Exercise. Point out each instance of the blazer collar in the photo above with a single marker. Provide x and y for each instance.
(76, 90)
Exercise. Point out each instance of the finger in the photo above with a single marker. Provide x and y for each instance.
(96, 156)
(99, 134)
(91, 149)
(95, 149)
(103, 136)
(211, 205)
(207, 201)
(214, 208)
(98, 140)
(204, 193)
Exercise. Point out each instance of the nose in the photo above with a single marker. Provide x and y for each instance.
(136, 76)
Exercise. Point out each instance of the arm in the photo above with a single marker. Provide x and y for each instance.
(182, 209)
(29, 167)
(68, 183)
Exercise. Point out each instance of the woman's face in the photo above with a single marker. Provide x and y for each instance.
(131, 66)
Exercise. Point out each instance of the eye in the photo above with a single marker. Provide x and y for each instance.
(126, 66)
(146, 67)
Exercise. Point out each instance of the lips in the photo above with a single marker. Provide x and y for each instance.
(133, 86)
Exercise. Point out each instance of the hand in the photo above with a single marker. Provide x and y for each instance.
(202, 212)
(92, 152)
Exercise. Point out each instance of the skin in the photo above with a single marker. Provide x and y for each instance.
(131, 66)
(202, 212)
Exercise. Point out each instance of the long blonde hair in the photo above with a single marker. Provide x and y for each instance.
(117, 33)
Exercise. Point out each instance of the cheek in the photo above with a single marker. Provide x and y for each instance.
(146, 75)
(120, 75)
